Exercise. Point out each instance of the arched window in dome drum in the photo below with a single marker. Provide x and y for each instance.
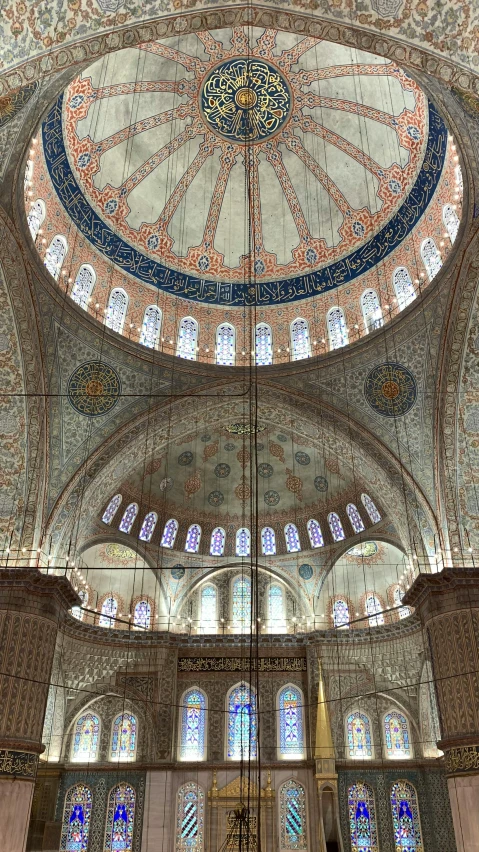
(151, 326)
(225, 345)
(370, 508)
(292, 806)
(77, 611)
(241, 603)
(128, 518)
(120, 819)
(243, 542)
(36, 217)
(142, 614)
(189, 818)
(459, 180)
(291, 536)
(451, 221)
(263, 344)
(276, 608)
(340, 613)
(123, 737)
(109, 609)
(242, 723)
(83, 286)
(187, 339)
(28, 175)
(76, 819)
(403, 287)
(169, 533)
(337, 331)
(208, 608)
(112, 509)
(358, 730)
(405, 814)
(300, 340)
(336, 527)
(217, 544)
(355, 518)
(362, 818)
(86, 734)
(268, 541)
(374, 609)
(315, 534)
(431, 257)
(396, 734)
(291, 723)
(193, 725)
(116, 310)
(55, 255)
(372, 313)
(148, 526)
(193, 537)
(403, 611)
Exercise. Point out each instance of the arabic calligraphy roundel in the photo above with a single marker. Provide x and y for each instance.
(390, 389)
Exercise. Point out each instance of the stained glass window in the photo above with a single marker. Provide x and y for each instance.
(77, 611)
(85, 738)
(374, 609)
(112, 509)
(451, 221)
(150, 328)
(193, 725)
(193, 537)
(403, 611)
(292, 804)
(300, 340)
(359, 736)
(116, 310)
(189, 818)
(120, 819)
(84, 283)
(55, 255)
(338, 333)
(405, 814)
(35, 217)
(459, 180)
(291, 737)
(362, 819)
(292, 538)
(28, 175)
(276, 607)
(109, 609)
(315, 534)
(355, 518)
(76, 819)
(396, 732)
(263, 344)
(336, 527)
(142, 614)
(403, 287)
(225, 345)
(243, 542)
(431, 257)
(148, 526)
(242, 723)
(372, 313)
(370, 508)
(169, 533)
(340, 613)
(208, 608)
(187, 339)
(123, 737)
(128, 518)
(217, 544)
(241, 602)
(268, 541)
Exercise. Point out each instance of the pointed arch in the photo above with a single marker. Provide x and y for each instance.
(83, 285)
(241, 602)
(336, 527)
(241, 722)
(263, 344)
(290, 707)
(151, 327)
(300, 339)
(358, 736)
(315, 534)
(142, 614)
(354, 518)
(225, 344)
(431, 257)
(192, 737)
(193, 538)
(76, 819)
(112, 509)
(397, 739)
(403, 287)
(85, 739)
(337, 330)
(371, 509)
(124, 732)
(55, 255)
(291, 535)
(293, 816)
(128, 518)
(268, 541)
(276, 608)
(340, 612)
(148, 526)
(120, 818)
(374, 609)
(187, 339)
(109, 609)
(116, 310)
(405, 816)
(402, 611)
(243, 542)
(209, 605)
(36, 217)
(189, 818)
(362, 818)
(371, 308)
(169, 533)
(217, 543)
(77, 611)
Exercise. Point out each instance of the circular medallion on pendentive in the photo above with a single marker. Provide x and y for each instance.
(390, 389)
(305, 571)
(94, 388)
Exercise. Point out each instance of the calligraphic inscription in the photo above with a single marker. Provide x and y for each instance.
(244, 428)
(11, 104)
(94, 388)
(21, 764)
(462, 759)
(390, 389)
(245, 100)
(241, 664)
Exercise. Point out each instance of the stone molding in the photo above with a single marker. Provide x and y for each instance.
(23, 589)
(449, 590)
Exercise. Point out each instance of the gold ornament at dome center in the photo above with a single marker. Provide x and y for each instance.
(94, 388)
(390, 390)
(246, 98)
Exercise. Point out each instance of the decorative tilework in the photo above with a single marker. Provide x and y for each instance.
(94, 388)
(390, 389)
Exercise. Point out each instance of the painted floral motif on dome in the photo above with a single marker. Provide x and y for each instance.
(222, 470)
(192, 484)
(332, 465)
(205, 438)
(177, 572)
(243, 457)
(244, 428)
(210, 450)
(387, 8)
(153, 466)
(305, 571)
(302, 458)
(185, 458)
(229, 447)
(277, 451)
(320, 483)
(294, 484)
(215, 498)
(265, 470)
(259, 448)
(390, 389)
(166, 484)
(271, 498)
(282, 438)
(243, 490)
(11, 104)
(94, 388)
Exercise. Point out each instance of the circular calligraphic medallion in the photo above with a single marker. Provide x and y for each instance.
(305, 571)
(177, 572)
(365, 549)
(390, 389)
(245, 99)
(94, 388)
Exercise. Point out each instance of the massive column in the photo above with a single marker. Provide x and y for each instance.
(32, 606)
(448, 606)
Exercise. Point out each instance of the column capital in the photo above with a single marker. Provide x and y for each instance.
(31, 591)
(447, 591)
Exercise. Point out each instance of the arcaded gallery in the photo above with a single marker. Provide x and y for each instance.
(239, 426)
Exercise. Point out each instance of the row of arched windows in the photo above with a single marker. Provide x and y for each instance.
(86, 738)
(119, 823)
(142, 611)
(243, 535)
(395, 732)
(373, 609)
(405, 818)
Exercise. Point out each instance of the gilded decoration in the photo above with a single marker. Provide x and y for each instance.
(462, 760)
(94, 388)
(11, 104)
(390, 389)
(241, 664)
(21, 764)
